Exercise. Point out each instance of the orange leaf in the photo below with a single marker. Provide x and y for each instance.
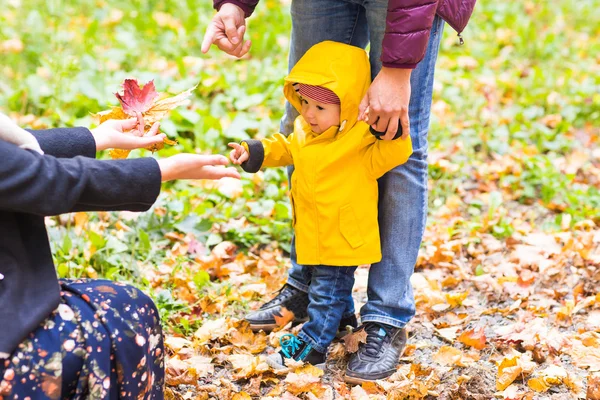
(352, 340)
(284, 317)
(593, 389)
(474, 338)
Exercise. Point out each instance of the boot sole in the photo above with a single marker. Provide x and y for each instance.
(276, 365)
(269, 327)
(355, 380)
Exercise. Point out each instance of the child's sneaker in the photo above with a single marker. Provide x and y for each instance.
(293, 347)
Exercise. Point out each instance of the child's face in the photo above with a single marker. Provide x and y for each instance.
(320, 116)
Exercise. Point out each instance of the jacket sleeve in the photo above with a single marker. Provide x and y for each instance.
(247, 5)
(270, 152)
(407, 29)
(66, 142)
(44, 185)
(381, 156)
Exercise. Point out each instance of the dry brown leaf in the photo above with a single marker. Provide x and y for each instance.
(200, 366)
(352, 340)
(213, 329)
(302, 383)
(474, 338)
(284, 317)
(176, 343)
(177, 373)
(448, 355)
(593, 387)
(241, 396)
(449, 333)
(310, 370)
(511, 367)
(246, 365)
(248, 340)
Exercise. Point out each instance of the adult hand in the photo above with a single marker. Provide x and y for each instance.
(239, 154)
(386, 102)
(196, 166)
(119, 134)
(226, 30)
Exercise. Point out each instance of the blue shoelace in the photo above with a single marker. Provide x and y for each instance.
(289, 345)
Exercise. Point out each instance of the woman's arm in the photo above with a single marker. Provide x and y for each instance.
(66, 142)
(71, 142)
(46, 185)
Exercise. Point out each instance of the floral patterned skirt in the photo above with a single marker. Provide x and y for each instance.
(104, 341)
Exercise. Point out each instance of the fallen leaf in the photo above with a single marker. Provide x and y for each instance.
(241, 396)
(246, 365)
(352, 340)
(511, 367)
(593, 387)
(310, 370)
(213, 329)
(301, 383)
(448, 355)
(248, 340)
(283, 317)
(456, 299)
(474, 338)
(176, 343)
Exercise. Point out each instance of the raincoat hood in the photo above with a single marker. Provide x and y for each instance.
(339, 67)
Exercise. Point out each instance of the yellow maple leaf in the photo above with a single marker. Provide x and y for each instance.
(511, 367)
(456, 299)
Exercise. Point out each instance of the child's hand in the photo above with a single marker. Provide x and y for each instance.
(120, 134)
(239, 154)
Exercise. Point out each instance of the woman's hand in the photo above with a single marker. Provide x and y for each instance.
(120, 134)
(196, 166)
(239, 154)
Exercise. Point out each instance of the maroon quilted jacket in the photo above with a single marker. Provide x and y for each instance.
(407, 27)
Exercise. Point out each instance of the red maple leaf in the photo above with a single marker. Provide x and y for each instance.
(134, 99)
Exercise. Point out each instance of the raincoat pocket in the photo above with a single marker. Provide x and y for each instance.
(349, 227)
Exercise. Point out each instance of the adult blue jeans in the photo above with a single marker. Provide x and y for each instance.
(329, 294)
(403, 190)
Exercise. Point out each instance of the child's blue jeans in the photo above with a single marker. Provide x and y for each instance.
(402, 191)
(330, 295)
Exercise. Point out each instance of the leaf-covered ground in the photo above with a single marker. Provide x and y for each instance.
(507, 283)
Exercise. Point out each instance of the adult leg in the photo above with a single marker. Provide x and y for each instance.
(402, 216)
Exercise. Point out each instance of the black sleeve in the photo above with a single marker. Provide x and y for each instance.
(44, 185)
(66, 142)
(256, 156)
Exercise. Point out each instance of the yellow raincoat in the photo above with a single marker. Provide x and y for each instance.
(334, 188)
